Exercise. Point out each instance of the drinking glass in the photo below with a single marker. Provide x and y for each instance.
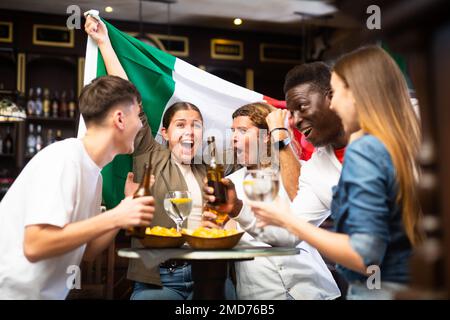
(178, 206)
(261, 184)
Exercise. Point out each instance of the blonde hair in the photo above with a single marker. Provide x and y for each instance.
(385, 111)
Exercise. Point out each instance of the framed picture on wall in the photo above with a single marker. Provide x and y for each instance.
(53, 36)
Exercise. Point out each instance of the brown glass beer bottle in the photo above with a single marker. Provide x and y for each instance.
(142, 191)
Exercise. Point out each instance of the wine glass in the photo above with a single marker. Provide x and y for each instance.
(261, 184)
(178, 205)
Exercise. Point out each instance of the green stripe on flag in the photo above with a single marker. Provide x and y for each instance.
(150, 70)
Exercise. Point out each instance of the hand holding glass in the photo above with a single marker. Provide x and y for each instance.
(261, 185)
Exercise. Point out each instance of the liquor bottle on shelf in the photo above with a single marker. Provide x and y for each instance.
(58, 135)
(31, 141)
(142, 191)
(31, 105)
(8, 144)
(39, 140)
(63, 107)
(46, 103)
(72, 105)
(39, 106)
(55, 105)
(50, 137)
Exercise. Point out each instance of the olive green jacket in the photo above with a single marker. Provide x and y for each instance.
(160, 157)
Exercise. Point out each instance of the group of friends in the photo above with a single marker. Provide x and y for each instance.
(362, 174)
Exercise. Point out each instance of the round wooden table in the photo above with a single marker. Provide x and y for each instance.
(210, 268)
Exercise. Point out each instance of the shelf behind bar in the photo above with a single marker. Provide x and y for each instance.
(50, 119)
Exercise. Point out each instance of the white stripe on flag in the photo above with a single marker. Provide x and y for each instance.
(90, 73)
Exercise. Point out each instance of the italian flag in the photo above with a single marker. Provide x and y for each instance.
(162, 80)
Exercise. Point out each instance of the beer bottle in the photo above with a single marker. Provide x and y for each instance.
(31, 105)
(63, 107)
(215, 174)
(58, 135)
(72, 106)
(142, 191)
(31, 141)
(38, 103)
(39, 140)
(46, 103)
(55, 105)
(50, 137)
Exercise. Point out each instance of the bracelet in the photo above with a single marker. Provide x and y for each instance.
(279, 128)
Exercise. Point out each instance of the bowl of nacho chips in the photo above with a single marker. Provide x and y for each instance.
(210, 239)
(161, 237)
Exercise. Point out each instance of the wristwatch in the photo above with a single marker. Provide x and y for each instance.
(281, 144)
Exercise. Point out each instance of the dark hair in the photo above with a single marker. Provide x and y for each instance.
(317, 74)
(257, 113)
(103, 93)
(177, 106)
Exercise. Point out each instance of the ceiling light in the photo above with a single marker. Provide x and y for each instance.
(237, 22)
(109, 9)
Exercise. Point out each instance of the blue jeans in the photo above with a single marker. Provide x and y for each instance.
(177, 285)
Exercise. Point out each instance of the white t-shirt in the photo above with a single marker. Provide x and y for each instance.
(195, 217)
(60, 185)
(318, 176)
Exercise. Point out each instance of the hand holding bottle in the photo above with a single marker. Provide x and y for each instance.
(233, 204)
(132, 212)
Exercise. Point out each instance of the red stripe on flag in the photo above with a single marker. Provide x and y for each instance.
(276, 103)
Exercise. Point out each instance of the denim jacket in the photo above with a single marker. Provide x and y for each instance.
(364, 207)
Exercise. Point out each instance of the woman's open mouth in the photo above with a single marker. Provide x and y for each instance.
(239, 153)
(187, 145)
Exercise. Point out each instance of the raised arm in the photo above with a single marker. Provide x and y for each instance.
(289, 164)
(366, 216)
(97, 30)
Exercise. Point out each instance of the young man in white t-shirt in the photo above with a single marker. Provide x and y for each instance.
(50, 218)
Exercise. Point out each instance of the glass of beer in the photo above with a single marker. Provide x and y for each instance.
(178, 206)
(261, 184)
